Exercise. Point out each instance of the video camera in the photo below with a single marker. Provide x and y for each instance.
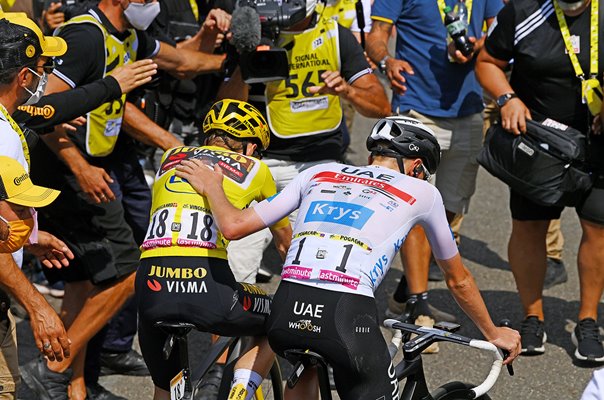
(256, 25)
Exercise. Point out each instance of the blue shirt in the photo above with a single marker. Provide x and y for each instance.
(439, 88)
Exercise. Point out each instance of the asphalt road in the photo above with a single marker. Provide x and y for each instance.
(485, 231)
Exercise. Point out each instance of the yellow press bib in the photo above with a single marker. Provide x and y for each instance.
(104, 123)
(342, 11)
(292, 110)
(181, 221)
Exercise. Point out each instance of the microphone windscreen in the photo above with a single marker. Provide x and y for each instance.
(246, 29)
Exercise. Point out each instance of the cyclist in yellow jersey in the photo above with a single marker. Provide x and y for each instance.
(184, 273)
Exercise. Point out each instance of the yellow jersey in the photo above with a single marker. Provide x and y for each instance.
(181, 221)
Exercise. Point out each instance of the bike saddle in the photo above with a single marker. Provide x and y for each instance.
(302, 359)
(178, 329)
(306, 356)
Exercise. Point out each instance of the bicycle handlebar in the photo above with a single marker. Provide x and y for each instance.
(440, 335)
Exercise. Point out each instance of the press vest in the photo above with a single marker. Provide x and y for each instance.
(292, 110)
(104, 123)
(343, 11)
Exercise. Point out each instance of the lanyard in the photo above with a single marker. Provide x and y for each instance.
(17, 129)
(593, 40)
(442, 5)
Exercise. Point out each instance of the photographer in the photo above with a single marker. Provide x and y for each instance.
(326, 65)
(546, 82)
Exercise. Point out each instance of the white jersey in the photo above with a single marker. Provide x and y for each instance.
(352, 222)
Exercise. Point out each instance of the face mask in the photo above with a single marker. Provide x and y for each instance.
(141, 15)
(18, 234)
(37, 95)
(571, 6)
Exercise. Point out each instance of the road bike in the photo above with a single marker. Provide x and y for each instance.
(411, 366)
(186, 384)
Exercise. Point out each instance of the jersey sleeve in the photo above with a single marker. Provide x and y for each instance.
(492, 8)
(84, 60)
(283, 203)
(269, 189)
(501, 35)
(64, 106)
(353, 63)
(437, 229)
(148, 47)
(386, 10)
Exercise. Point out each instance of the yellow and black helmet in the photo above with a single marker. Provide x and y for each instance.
(239, 119)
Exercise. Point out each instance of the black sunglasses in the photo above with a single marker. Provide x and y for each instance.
(48, 66)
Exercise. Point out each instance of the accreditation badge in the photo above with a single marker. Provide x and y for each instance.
(592, 95)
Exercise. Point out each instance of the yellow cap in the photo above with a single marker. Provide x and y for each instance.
(16, 186)
(50, 46)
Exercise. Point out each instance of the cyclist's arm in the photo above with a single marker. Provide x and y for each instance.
(460, 281)
(283, 238)
(232, 222)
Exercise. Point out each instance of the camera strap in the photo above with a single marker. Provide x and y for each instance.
(442, 5)
(361, 20)
(17, 129)
(590, 88)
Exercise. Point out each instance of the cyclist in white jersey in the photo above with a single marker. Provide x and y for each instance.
(350, 226)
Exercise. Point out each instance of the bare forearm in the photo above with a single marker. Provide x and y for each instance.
(185, 63)
(140, 127)
(15, 283)
(283, 239)
(465, 291)
(66, 150)
(369, 98)
(491, 77)
(377, 41)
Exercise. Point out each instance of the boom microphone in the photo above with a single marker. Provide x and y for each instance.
(246, 29)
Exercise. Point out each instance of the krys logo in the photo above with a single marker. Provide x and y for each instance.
(352, 215)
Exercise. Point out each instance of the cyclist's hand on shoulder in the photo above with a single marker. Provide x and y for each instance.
(507, 339)
(514, 114)
(200, 175)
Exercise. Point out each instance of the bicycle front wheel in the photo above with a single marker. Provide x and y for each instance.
(272, 387)
(455, 391)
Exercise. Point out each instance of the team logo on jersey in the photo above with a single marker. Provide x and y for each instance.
(308, 309)
(376, 184)
(305, 325)
(234, 166)
(336, 212)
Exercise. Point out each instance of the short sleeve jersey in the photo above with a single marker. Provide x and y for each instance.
(351, 223)
(438, 87)
(543, 76)
(181, 222)
(84, 61)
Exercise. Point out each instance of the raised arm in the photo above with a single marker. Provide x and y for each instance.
(185, 63)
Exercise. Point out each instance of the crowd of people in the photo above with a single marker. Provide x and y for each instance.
(90, 90)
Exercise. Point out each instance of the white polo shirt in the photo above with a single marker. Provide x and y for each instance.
(10, 146)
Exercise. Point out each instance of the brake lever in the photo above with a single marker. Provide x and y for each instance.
(508, 324)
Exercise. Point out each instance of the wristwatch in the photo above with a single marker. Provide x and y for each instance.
(504, 98)
(382, 64)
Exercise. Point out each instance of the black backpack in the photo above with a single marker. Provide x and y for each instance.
(546, 164)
